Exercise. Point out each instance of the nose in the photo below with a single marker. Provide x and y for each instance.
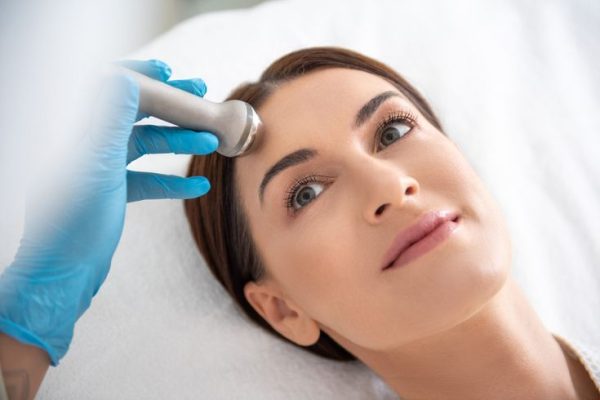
(386, 186)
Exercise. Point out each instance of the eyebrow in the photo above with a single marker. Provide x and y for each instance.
(303, 155)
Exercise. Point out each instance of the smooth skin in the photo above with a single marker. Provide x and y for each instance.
(23, 367)
(451, 324)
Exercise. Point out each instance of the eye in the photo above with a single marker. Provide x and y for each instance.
(306, 194)
(393, 132)
(394, 127)
(303, 191)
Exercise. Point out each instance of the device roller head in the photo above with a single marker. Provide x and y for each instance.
(240, 130)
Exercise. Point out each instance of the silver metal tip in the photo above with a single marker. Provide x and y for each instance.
(251, 131)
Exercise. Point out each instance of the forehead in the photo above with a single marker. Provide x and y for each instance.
(307, 112)
(321, 100)
(321, 96)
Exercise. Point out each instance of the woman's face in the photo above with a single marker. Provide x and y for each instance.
(324, 255)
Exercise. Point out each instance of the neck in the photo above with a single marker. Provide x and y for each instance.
(503, 351)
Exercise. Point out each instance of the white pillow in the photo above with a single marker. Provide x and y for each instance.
(514, 83)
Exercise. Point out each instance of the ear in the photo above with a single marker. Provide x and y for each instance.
(282, 314)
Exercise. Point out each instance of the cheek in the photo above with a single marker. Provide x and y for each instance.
(450, 177)
(319, 256)
(326, 272)
(481, 210)
(334, 278)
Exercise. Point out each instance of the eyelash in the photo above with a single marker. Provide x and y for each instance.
(394, 117)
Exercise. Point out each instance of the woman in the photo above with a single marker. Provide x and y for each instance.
(352, 170)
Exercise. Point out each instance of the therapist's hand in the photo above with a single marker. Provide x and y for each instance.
(75, 219)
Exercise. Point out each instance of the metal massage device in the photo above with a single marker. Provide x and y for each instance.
(234, 122)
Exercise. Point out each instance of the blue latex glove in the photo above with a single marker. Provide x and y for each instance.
(73, 230)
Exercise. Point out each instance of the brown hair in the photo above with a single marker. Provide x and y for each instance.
(217, 220)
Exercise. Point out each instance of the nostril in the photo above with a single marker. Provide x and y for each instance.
(380, 209)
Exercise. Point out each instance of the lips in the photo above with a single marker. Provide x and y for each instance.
(426, 224)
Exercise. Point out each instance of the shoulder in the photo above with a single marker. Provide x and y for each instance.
(587, 354)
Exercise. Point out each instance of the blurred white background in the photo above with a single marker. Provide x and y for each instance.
(170, 12)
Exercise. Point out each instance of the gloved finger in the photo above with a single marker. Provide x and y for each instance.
(147, 185)
(155, 69)
(194, 86)
(151, 139)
